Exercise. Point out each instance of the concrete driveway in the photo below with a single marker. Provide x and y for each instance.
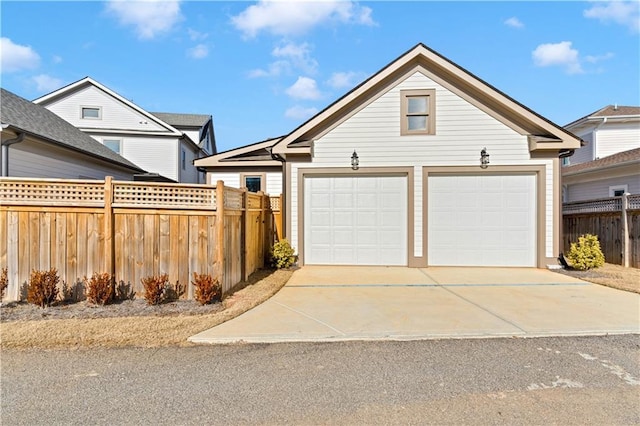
(334, 303)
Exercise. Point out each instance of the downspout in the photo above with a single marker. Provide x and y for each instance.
(5, 152)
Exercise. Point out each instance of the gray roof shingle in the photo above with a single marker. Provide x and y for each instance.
(183, 120)
(611, 160)
(26, 116)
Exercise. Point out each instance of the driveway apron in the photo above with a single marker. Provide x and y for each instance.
(339, 303)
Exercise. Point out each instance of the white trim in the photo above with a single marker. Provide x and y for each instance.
(614, 188)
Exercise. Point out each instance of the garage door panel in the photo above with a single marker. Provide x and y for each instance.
(367, 221)
(482, 220)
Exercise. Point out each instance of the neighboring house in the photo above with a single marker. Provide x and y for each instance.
(252, 167)
(607, 165)
(610, 176)
(37, 143)
(142, 137)
(391, 173)
(607, 131)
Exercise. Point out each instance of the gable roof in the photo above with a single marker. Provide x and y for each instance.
(183, 120)
(543, 134)
(255, 154)
(22, 115)
(616, 112)
(619, 159)
(88, 81)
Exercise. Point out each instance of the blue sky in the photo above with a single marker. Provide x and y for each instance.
(263, 68)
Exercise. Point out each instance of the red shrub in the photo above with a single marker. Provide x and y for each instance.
(100, 288)
(43, 287)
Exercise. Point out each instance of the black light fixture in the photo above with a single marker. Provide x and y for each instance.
(484, 158)
(355, 162)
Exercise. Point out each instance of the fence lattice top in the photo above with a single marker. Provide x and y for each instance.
(602, 205)
(50, 192)
(129, 194)
(275, 203)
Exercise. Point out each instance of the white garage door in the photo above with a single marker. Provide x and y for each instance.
(355, 220)
(483, 220)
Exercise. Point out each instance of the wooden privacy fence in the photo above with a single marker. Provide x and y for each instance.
(616, 222)
(131, 230)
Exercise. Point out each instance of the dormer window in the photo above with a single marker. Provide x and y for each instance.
(418, 113)
(91, 113)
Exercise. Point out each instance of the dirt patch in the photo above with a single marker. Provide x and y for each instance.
(130, 323)
(615, 276)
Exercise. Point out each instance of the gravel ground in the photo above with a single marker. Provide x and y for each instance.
(84, 310)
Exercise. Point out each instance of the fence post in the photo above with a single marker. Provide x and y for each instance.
(220, 233)
(244, 232)
(109, 240)
(625, 230)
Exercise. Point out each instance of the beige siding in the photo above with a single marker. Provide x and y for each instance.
(230, 179)
(274, 183)
(462, 130)
(33, 159)
(600, 188)
(115, 114)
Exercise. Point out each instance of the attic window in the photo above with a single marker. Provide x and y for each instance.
(92, 113)
(418, 113)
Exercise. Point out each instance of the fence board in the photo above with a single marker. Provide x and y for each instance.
(603, 217)
(175, 229)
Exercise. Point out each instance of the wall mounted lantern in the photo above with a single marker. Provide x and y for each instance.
(355, 162)
(484, 158)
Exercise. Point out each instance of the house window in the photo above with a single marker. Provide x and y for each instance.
(566, 161)
(183, 159)
(618, 190)
(92, 113)
(112, 144)
(418, 113)
(252, 183)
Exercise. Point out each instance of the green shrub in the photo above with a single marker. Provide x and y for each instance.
(282, 254)
(207, 288)
(100, 288)
(4, 281)
(43, 287)
(586, 253)
(154, 288)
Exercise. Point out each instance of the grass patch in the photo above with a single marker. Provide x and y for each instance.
(614, 276)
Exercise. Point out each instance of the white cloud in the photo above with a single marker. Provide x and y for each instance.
(514, 22)
(299, 17)
(300, 113)
(343, 80)
(150, 18)
(273, 70)
(46, 83)
(304, 88)
(619, 12)
(560, 54)
(198, 52)
(197, 35)
(298, 54)
(597, 58)
(16, 57)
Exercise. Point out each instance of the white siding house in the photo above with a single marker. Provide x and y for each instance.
(143, 138)
(607, 163)
(37, 143)
(418, 194)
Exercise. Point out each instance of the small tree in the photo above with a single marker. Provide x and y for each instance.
(154, 288)
(43, 287)
(100, 288)
(207, 288)
(282, 254)
(586, 253)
